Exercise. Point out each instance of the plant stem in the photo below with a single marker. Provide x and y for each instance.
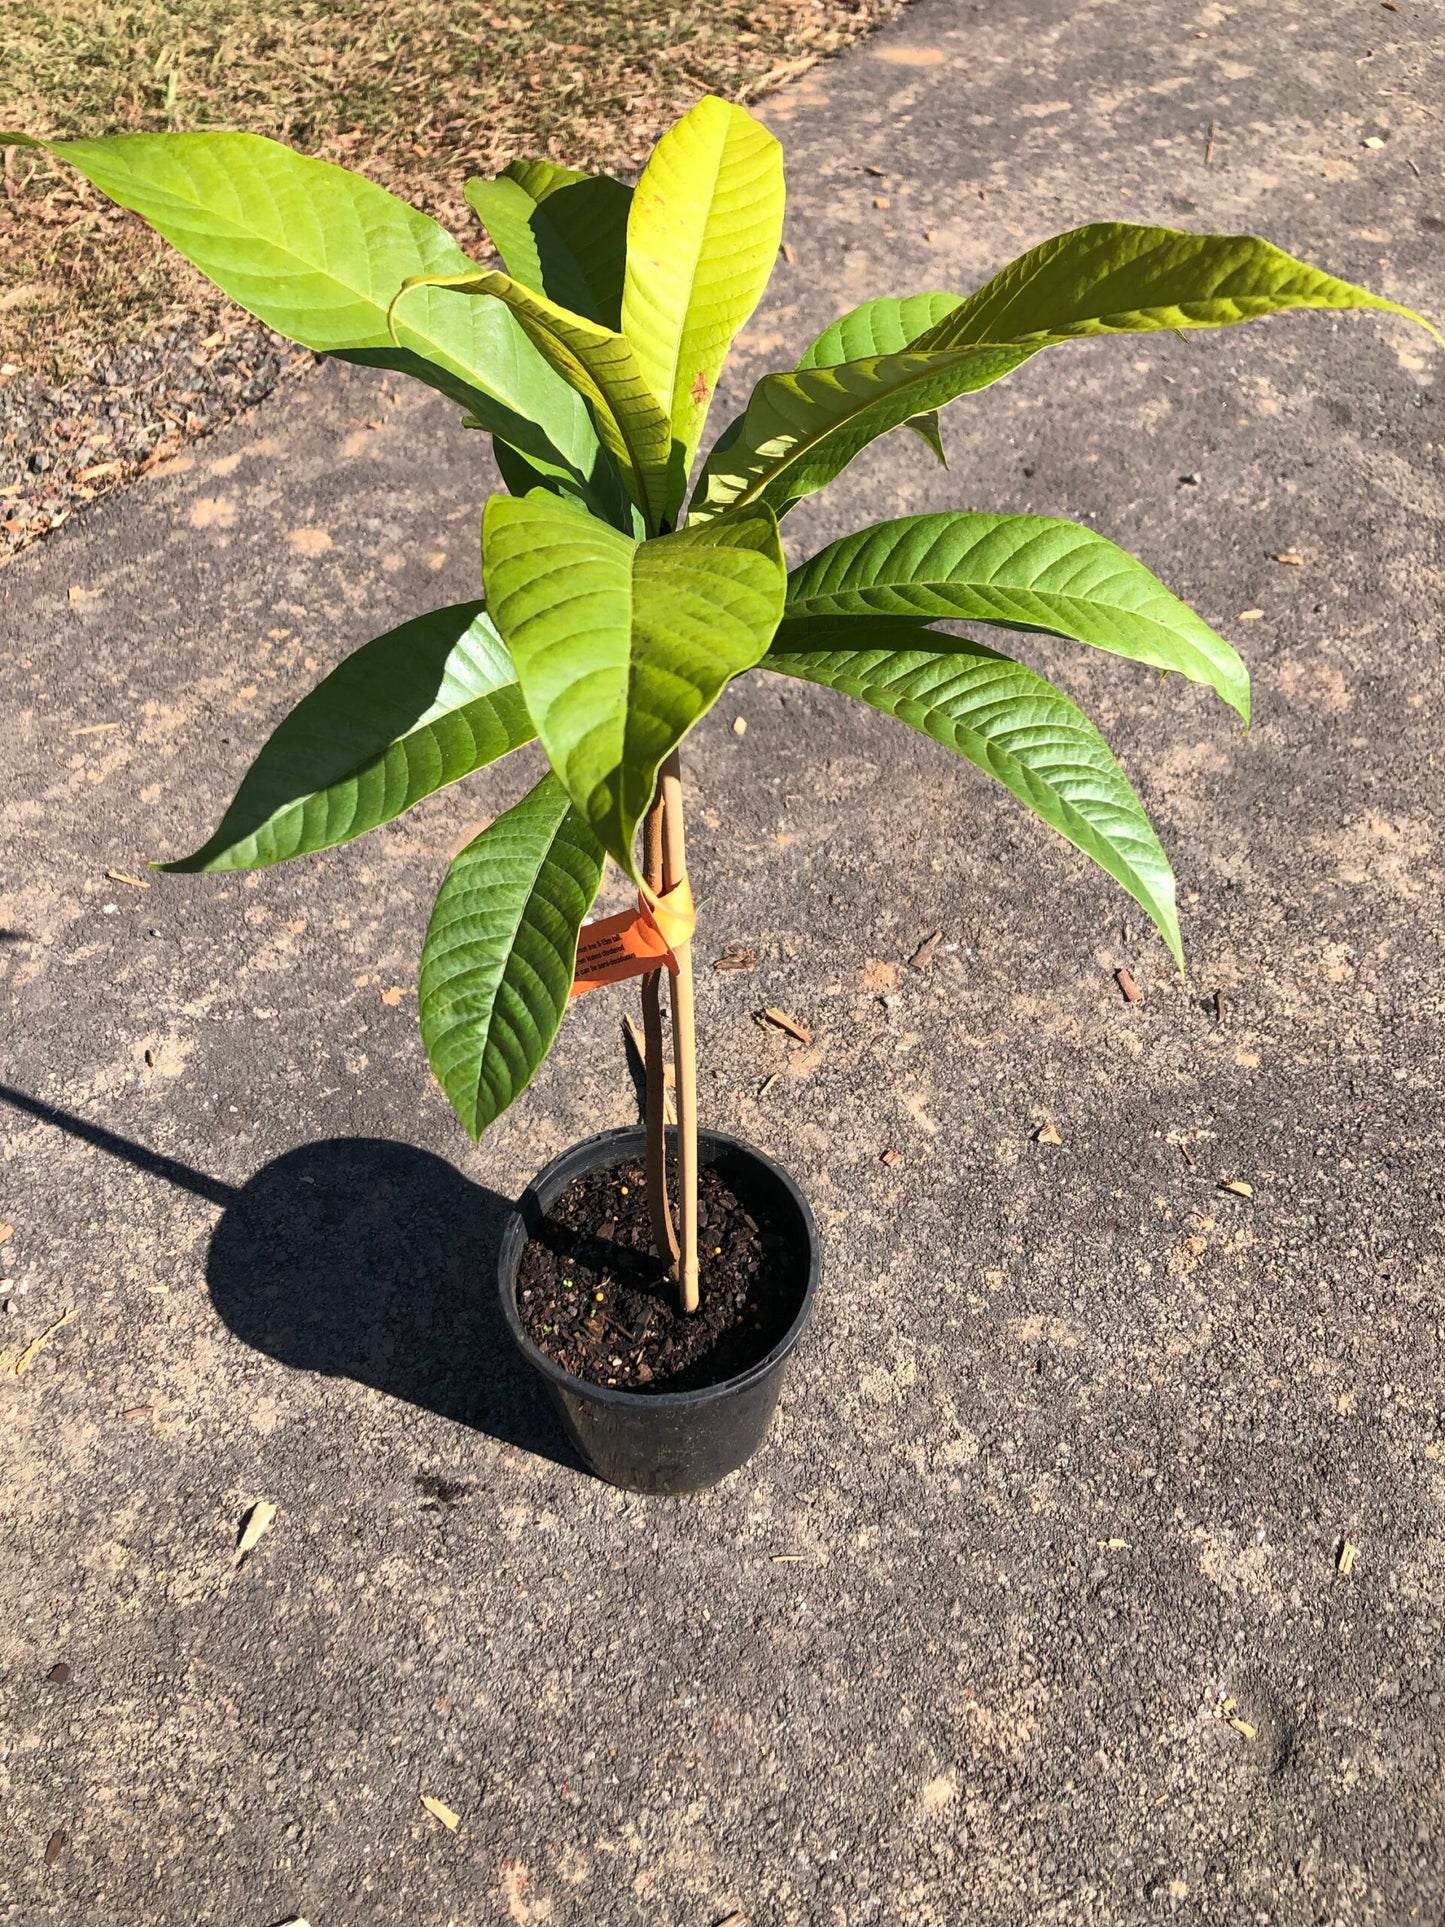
(684, 1037)
(664, 1238)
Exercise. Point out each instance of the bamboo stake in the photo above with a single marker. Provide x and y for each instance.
(664, 1237)
(684, 1037)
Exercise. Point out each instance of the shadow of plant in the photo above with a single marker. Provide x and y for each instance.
(367, 1259)
(360, 1258)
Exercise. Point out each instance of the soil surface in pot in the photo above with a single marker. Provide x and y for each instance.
(593, 1296)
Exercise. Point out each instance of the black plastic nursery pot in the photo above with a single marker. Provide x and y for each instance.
(670, 1442)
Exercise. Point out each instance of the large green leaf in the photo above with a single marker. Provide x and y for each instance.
(317, 253)
(1020, 572)
(801, 429)
(500, 950)
(402, 716)
(559, 232)
(598, 363)
(1117, 278)
(702, 237)
(621, 646)
(1006, 720)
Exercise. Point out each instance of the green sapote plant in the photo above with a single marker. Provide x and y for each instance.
(621, 594)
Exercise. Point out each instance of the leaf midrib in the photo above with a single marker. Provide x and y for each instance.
(834, 603)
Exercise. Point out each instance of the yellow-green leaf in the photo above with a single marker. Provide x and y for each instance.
(702, 237)
(801, 429)
(1020, 572)
(1116, 277)
(317, 252)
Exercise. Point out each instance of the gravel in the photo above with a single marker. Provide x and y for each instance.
(61, 447)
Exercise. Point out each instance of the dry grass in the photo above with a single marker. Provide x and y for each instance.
(419, 95)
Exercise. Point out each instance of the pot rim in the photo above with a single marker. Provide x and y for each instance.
(607, 1147)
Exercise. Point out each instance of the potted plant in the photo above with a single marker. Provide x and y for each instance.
(618, 604)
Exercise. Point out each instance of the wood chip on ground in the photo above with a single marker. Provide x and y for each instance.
(25, 1359)
(1132, 993)
(772, 1015)
(923, 955)
(439, 1810)
(256, 1524)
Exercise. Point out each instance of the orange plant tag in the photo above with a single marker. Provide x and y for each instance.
(628, 945)
(633, 942)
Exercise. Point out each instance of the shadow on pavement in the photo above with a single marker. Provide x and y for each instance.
(361, 1258)
(367, 1259)
(155, 1164)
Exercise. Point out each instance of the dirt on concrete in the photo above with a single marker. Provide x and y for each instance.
(1093, 1572)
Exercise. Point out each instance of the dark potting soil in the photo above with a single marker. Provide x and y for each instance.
(593, 1295)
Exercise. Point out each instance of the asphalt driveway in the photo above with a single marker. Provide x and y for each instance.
(1095, 1571)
